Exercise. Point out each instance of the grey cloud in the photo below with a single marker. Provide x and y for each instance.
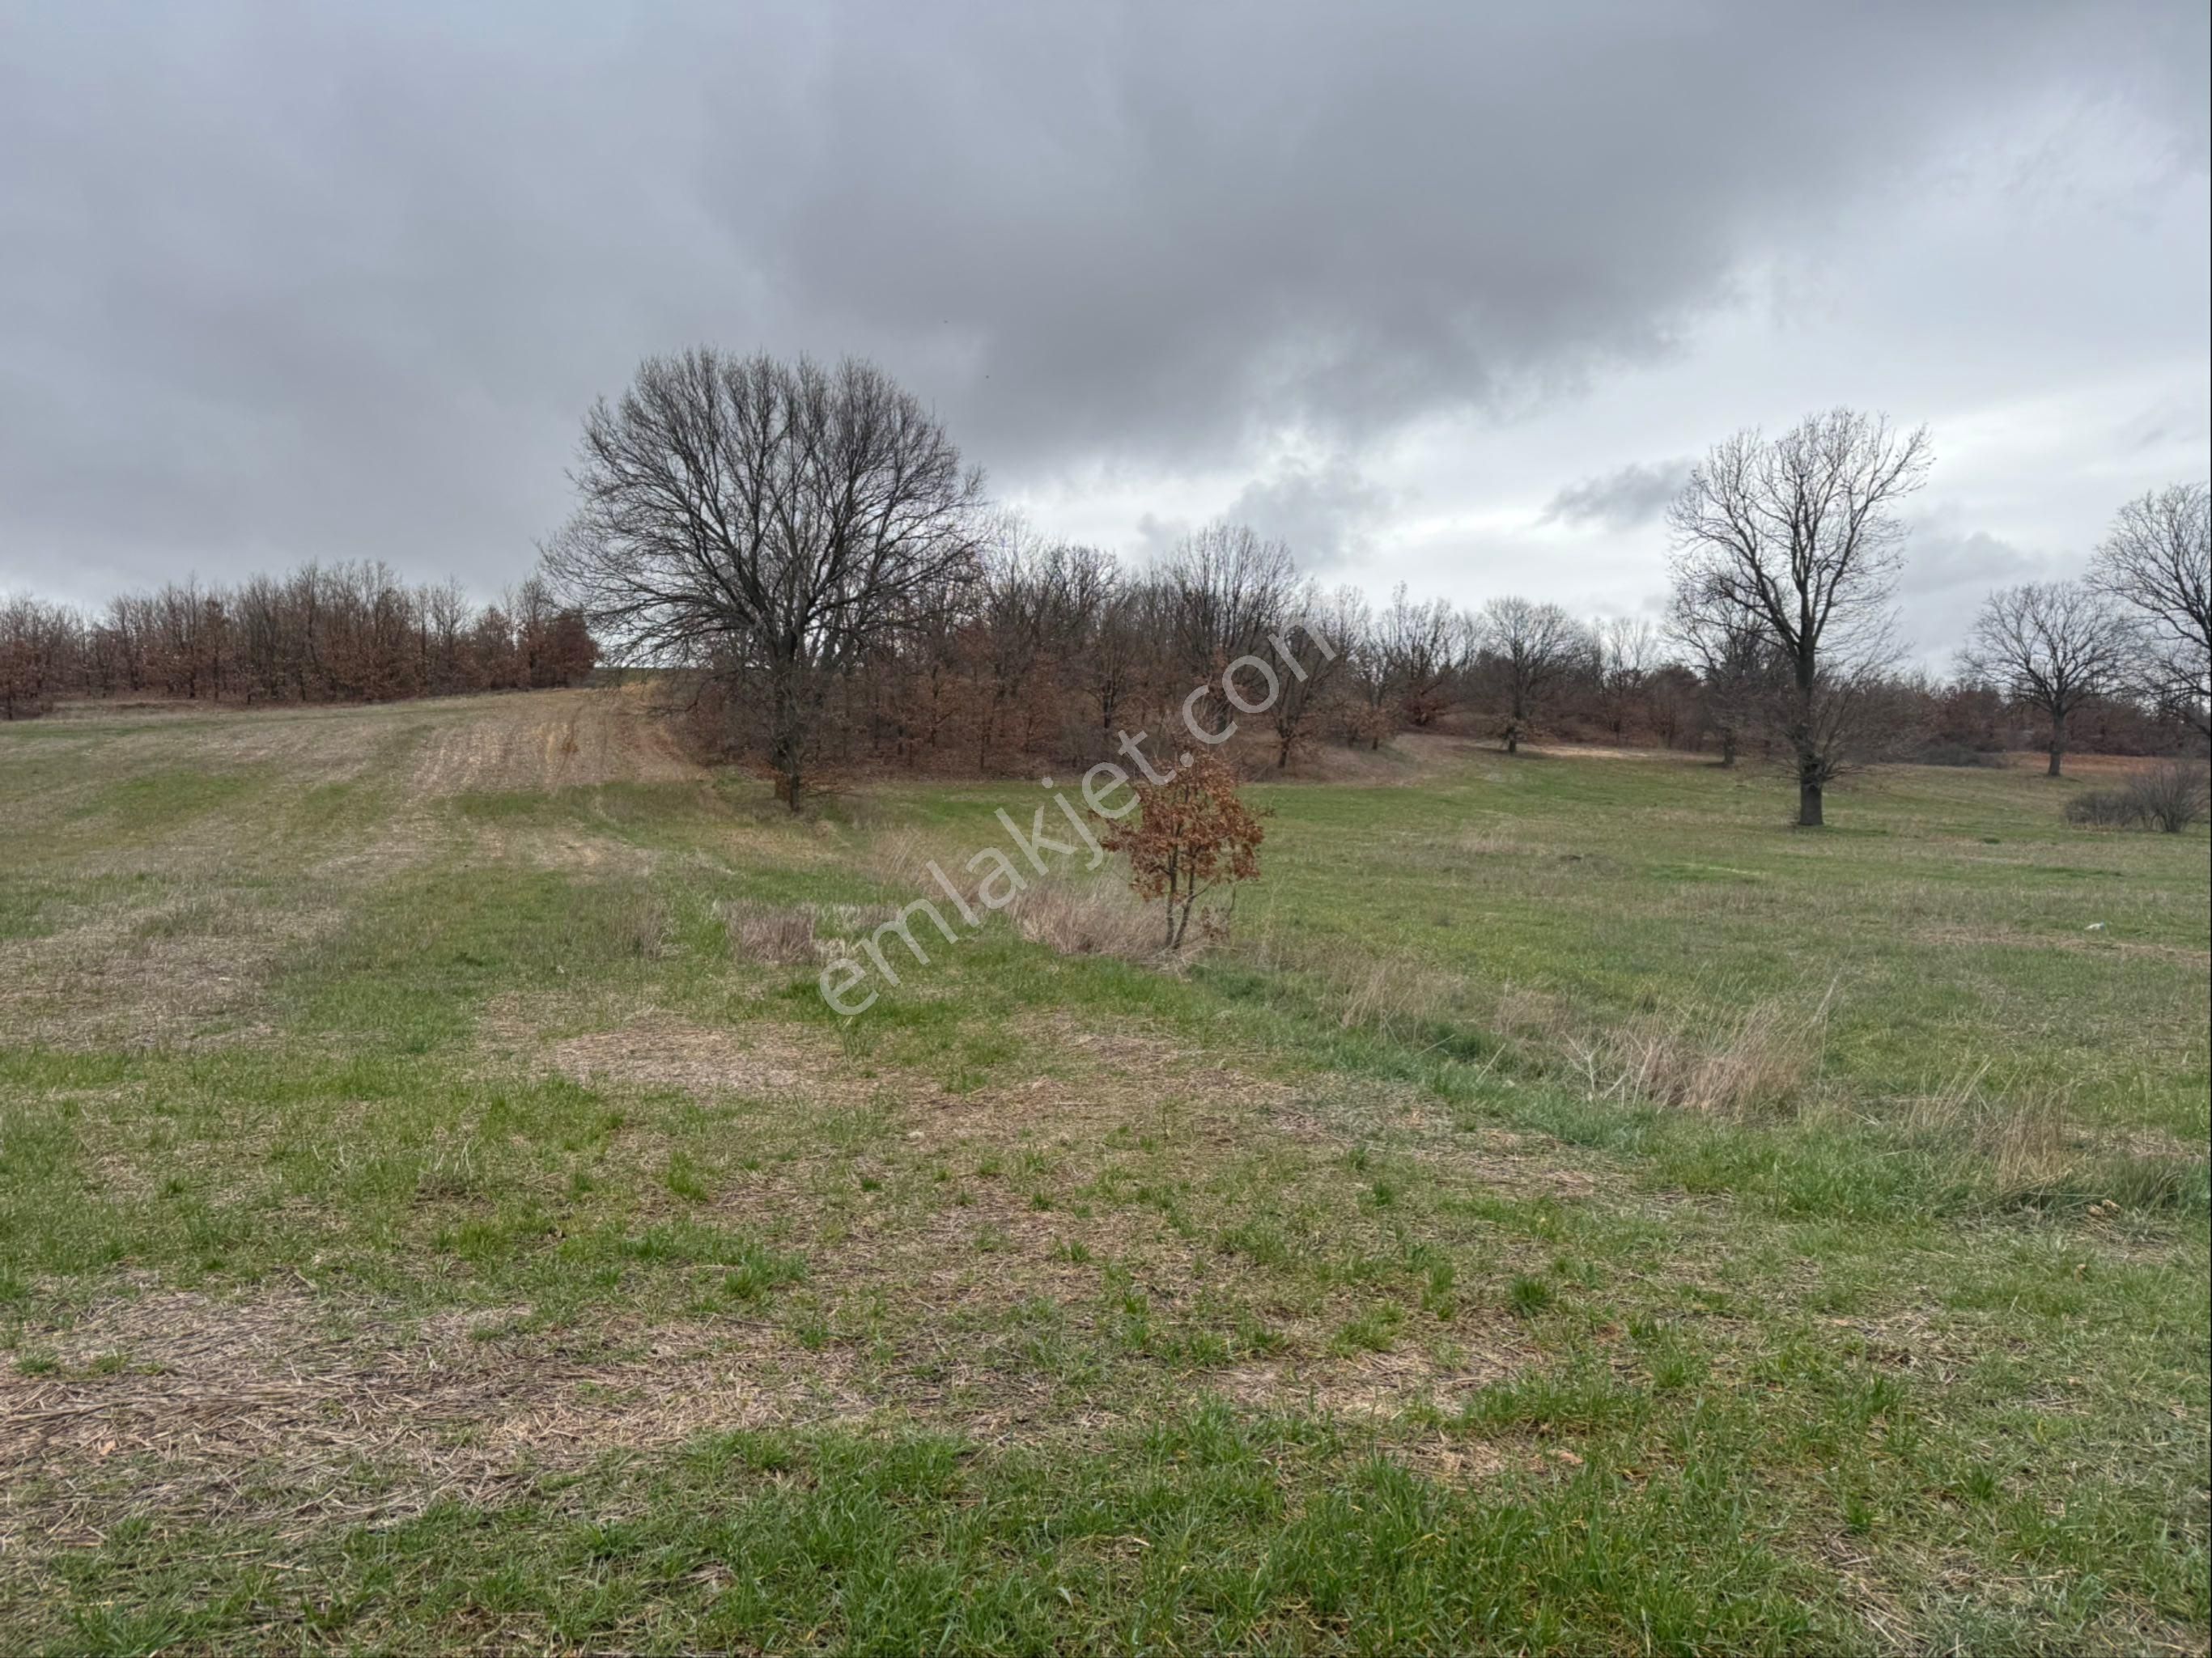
(1948, 571)
(1938, 559)
(1326, 511)
(1626, 499)
(280, 283)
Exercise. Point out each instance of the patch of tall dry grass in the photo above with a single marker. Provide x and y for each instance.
(791, 935)
(775, 935)
(1089, 918)
(1761, 1061)
(2025, 1143)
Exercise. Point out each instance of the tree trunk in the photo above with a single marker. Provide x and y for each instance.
(1811, 773)
(2057, 745)
(1728, 750)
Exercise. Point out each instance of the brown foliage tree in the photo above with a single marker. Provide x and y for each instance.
(342, 632)
(1188, 836)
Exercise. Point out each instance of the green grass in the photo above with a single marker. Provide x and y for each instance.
(1396, 1276)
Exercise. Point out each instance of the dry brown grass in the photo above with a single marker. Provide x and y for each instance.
(774, 935)
(790, 935)
(182, 1403)
(1488, 843)
(660, 1051)
(1761, 1061)
(2029, 1142)
(189, 974)
(1373, 1386)
(546, 740)
(1090, 918)
(1396, 997)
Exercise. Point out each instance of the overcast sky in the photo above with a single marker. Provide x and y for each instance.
(1439, 293)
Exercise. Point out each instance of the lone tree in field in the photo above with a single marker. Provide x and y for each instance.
(2052, 645)
(2157, 562)
(1798, 535)
(1531, 647)
(772, 522)
(1188, 836)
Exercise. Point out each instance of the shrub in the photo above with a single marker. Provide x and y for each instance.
(2103, 809)
(2170, 796)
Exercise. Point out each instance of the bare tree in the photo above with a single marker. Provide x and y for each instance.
(1421, 648)
(1228, 590)
(2157, 562)
(1733, 659)
(1111, 663)
(1798, 535)
(2052, 645)
(1530, 648)
(773, 519)
(37, 646)
(1627, 651)
(1312, 655)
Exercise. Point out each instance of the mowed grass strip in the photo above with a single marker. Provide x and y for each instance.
(1574, 1212)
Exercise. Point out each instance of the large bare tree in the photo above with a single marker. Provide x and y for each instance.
(772, 520)
(2157, 562)
(1799, 535)
(2053, 645)
(1530, 648)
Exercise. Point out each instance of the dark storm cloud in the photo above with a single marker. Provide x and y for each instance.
(279, 284)
(1634, 496)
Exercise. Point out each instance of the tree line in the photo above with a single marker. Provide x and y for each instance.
(804, 547)
(337, 633)
(824, 585)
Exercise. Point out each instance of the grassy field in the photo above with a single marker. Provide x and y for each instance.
(1572, 1211)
